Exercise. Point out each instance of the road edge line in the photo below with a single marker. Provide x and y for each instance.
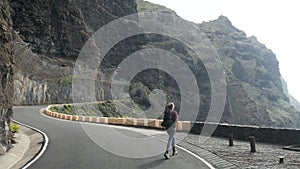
(209, 165)
(42, 150)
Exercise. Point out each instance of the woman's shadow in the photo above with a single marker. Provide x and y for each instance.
(153, 164)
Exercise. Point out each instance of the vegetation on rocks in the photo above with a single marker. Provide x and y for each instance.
(109, 108)
(65, 109)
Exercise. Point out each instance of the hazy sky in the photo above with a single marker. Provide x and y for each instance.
(275, 23)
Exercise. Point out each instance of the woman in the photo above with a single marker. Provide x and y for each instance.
(169, 122)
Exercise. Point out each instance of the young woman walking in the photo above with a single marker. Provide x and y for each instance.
(169, 122)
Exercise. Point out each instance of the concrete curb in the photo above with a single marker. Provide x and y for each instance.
(16, 154)
(136, 122)
(42, 150)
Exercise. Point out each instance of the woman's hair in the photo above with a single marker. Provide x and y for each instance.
(170, 105)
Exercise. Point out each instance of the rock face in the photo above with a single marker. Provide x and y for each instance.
(51, 33)
(39, 79)
(6, 73)
(60, 28)
(50, 36)
(255, 92)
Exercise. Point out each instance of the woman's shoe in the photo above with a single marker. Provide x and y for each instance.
(166, 155)
(174, 151)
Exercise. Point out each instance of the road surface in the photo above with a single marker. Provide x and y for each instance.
(70, 147)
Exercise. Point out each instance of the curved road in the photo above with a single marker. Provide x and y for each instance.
(70, 147)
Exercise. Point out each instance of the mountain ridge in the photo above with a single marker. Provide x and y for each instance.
(255, 91)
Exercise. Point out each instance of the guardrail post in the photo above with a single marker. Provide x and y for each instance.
(252, 143)
(281, 159)
(230, 138)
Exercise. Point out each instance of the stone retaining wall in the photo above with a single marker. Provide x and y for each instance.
(262, 134)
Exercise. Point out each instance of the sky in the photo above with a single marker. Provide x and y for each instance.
(274, 23)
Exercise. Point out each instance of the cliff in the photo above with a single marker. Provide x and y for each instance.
(60, 28)
(6, 75)
(50, 35)
(255, 94)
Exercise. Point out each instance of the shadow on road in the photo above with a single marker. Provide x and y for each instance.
(153, 164)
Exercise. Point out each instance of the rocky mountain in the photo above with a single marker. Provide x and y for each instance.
(6, 75)
(51, 33)
(255, 94)
(255, 91)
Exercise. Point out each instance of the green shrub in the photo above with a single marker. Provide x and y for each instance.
(65, 109)
(108, 109)
(14, 128)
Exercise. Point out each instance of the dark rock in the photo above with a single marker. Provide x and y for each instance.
(50, 36)
(6, 74)
(60, 28)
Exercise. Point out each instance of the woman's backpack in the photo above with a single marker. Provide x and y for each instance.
(168, 119)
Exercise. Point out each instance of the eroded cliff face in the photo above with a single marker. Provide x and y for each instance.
(255, 91)
(6, 75)
(60, 28)
(39, 79)
(50, 35)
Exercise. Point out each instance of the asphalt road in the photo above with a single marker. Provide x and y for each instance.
(70, 146)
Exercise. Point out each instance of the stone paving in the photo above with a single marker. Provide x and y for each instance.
(219, 154)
